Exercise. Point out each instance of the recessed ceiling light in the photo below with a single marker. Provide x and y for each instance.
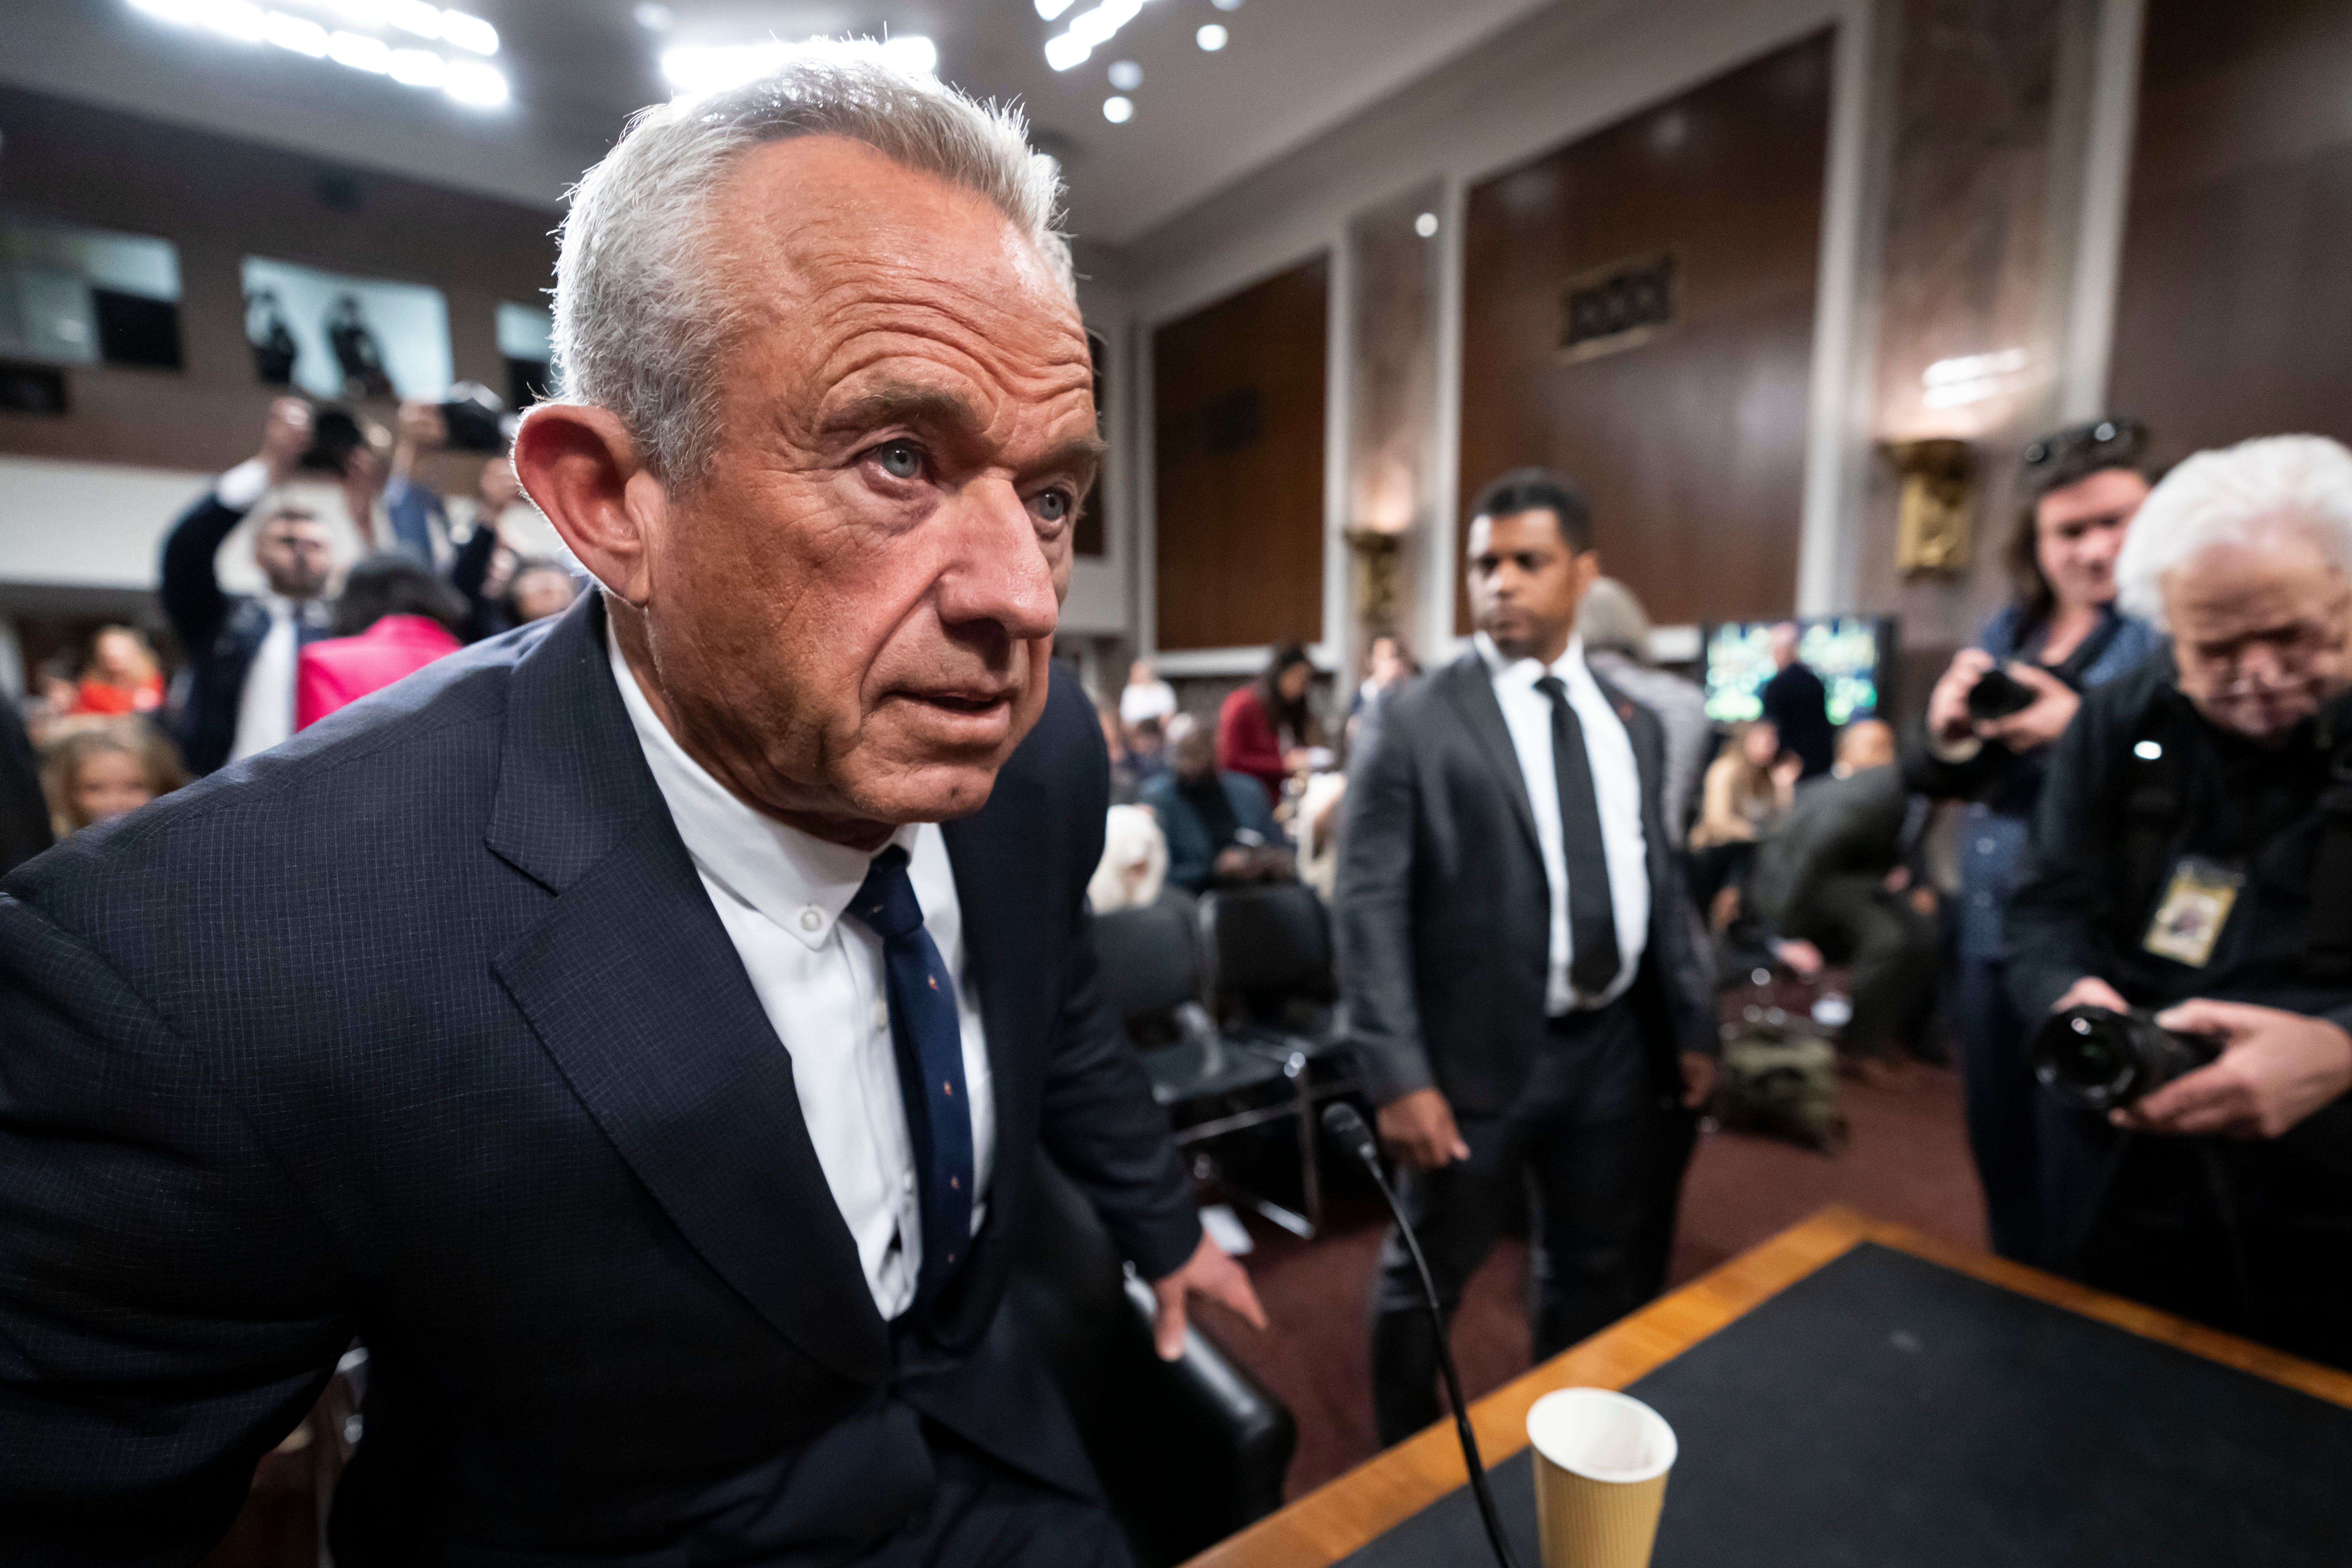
(1052, 9)
(1118, 111)
(653, 18)
(1226, 5)
(1095, 26)
(1125, 75)
(472, 82)
(1425, 226)
(1210, 37)
(467, 81)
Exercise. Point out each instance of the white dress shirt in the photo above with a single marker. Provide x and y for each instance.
(780, 894)
(1616, 791)
(264, 706)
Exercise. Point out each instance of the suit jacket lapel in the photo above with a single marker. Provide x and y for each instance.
(1471, 689)
(634, 989)
(998, 853)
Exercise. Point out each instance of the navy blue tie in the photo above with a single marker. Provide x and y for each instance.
(930, 1043)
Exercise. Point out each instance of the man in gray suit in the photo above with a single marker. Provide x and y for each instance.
(1521, 997)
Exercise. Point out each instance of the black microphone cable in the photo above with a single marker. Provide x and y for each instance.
(1341, 1121)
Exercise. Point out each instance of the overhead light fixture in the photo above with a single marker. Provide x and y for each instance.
(1212, 37)
(470, 82)
(1087, 31)
(709, 67)
(1051, 10)
(1971, 378)
(1125, 75)
(1226, 5)
(1118, 111)
(1425, 226)
(653, 18)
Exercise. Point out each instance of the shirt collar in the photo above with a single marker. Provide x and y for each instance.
(799, 882)
(1569, 666)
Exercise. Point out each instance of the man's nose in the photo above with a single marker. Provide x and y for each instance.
(997, 571)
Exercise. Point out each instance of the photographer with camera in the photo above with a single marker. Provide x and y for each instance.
(1986, 739)
(241, 648)
(2191, 854)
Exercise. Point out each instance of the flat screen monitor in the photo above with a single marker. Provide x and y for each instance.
(1854, 655)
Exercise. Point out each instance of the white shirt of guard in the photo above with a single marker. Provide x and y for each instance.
(780, 894)
(1616, 791)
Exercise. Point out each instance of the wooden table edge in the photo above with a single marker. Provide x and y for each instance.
(1351, 1509)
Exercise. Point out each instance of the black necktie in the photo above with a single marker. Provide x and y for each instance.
(1591, 912)
(929, 1045)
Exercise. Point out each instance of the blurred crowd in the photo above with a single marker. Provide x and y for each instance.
(130, 714)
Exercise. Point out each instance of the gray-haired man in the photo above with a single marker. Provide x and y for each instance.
(640, 1030)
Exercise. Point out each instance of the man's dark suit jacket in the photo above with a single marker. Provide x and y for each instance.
(219, 632)
(420, 1029)
(1839, 827)
(1445, 913)
(1798, 705)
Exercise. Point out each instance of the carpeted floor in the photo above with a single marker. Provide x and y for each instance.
(1905, 1160)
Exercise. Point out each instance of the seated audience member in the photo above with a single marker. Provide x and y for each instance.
(1134, 865)
(1146, 696)
(1219, 826)
(1147, 749)
(121, 678)
(1616, 630)
(1799, 706)
(2183, 859)
(1388, 664)
(98, 774)
(1831, 882)
(394, 617)
(1749, 789)
(1266, 729)
(241, 651)
(1123, 780)
(2061, 637)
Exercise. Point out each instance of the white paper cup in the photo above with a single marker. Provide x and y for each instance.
(1601, 1461)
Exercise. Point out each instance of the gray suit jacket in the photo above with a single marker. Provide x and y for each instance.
(1444, 914)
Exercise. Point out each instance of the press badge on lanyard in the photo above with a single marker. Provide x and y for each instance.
(2195, 909)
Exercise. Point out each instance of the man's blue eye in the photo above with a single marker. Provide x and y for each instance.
(899, 460)
(1053, 505)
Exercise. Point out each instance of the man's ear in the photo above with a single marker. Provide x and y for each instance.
(579, 466)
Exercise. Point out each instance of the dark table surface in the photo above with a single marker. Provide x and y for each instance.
(1887, 1411)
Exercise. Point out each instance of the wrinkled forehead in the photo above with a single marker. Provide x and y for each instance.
(2277, 574)
(827, 223)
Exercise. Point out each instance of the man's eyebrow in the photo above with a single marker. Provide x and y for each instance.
(900, 404)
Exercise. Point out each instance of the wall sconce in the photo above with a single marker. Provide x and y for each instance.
(1938, 495)
(1372, 554)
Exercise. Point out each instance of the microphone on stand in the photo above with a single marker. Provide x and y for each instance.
(1341, 1121)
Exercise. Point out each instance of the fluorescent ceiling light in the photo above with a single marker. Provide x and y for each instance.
(1052, 9)
(1118, 111)
(1125, 75)
(469, 32)
(1087, 30)
(414, 17)
(1212, 37)
(477, 85)
(419, 68)
(653, 17)
(1973, 367)
(467, 81)
(712, 67)
(361, 53)
(298, 34)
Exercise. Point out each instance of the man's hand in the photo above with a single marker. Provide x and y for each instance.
(1948, 719)
(1208, 1273)
(2091, 992)
(362, 482)
(1698, 1080)
(1235, 862)
(2276, 1068)
(2055, 703)
(1418, 1130)
(1799, 955)
(285, 436)
(420, 428)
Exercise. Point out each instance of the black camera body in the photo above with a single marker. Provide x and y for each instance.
(2094, 1058)
(1997, 694)
(335, 435)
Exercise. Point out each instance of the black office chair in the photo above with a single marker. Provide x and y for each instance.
(1267, 956)
(1189, 1451)
(1211, 1088)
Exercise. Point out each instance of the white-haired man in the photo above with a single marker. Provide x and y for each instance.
(599, 1025)
(2193, 853)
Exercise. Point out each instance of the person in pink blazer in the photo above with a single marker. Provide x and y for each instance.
(394, 618)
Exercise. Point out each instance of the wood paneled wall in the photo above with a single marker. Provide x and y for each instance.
(2233, 314)
(1238, 401)
(1691, 447)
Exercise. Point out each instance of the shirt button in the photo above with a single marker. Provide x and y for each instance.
(811, 919)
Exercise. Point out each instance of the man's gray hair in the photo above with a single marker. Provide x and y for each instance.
(2235, 495)
(640, 325)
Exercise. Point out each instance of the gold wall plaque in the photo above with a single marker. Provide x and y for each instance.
(1932, 529)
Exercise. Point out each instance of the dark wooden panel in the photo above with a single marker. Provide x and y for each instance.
(1237, 403)
(1693, 445)
(2233, 314)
